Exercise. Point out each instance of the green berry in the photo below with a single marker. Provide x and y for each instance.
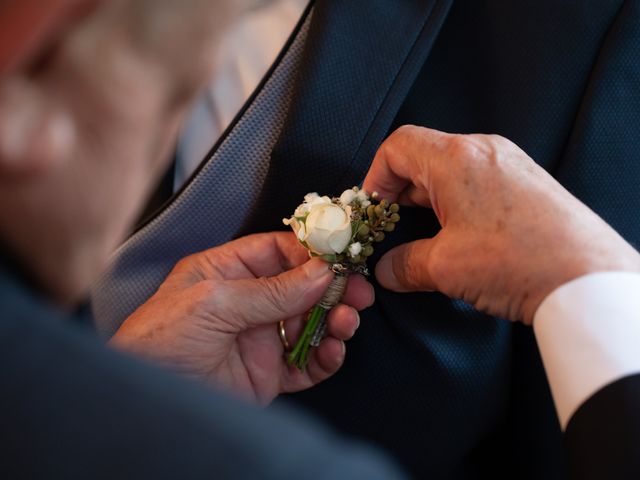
(394, 208)
(389, 227)
(367, 250)
(394, 217)
(378, 236)
(363, 231)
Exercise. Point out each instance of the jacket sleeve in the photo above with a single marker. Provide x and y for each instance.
(603, 436)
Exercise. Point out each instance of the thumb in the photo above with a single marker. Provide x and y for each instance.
(406, 267)
(270, 299)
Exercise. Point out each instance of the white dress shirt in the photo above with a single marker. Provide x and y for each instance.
(245, 55)
(588, 330)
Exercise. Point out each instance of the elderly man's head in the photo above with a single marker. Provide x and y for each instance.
(91, 97)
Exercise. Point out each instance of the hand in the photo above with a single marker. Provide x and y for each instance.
(215, 316)
(510, 233)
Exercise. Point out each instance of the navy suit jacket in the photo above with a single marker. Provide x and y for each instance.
(450, 392)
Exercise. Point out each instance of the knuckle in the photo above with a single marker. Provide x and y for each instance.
(407, 130)
(184, 263)
(475, 153)
(399, 142)
(499, 140)
(463, 149)
(206, 291)
(404, 135)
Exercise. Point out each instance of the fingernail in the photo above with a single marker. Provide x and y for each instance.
(372, 295)
(357, 321)
(317, 269)
(384, 273)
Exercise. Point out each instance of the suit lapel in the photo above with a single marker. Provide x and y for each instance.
(360, 59)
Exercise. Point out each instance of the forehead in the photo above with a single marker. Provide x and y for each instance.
(27, 26)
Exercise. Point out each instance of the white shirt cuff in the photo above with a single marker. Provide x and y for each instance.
(588, 332)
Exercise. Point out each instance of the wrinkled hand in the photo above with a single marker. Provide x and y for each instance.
(215, 317)
(510, 233)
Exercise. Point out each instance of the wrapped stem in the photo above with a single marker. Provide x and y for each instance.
(316, 325)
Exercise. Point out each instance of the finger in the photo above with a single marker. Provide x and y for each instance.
(406, 268)
(342, 322)
(359, 293)
(253, 256)
(254, 302)
(268, 254)
(402, 163)
(326, 360)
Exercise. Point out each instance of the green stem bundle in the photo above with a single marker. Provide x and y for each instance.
(299, 356)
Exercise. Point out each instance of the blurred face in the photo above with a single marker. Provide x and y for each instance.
(91, 96)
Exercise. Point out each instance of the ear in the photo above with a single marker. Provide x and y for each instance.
(36, 134)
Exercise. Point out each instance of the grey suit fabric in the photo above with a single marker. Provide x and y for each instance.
(212, 207)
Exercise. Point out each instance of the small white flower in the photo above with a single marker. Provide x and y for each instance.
(347, 197)
(355, 249)
(310, 197)
(317, 200)
(362, 196)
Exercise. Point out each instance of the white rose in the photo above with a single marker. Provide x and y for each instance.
(296, 226)
(310, 200)
(328, 228)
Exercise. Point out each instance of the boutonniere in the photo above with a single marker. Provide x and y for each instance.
(342, 231)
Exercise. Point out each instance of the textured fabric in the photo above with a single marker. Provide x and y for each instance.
(212, 206)
(588, 332)
(450, 392)
(74, 409)
(603, 437)
(245, 55)
(527, 70)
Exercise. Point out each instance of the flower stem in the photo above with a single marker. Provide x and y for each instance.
(316, 322)
(300, 354)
